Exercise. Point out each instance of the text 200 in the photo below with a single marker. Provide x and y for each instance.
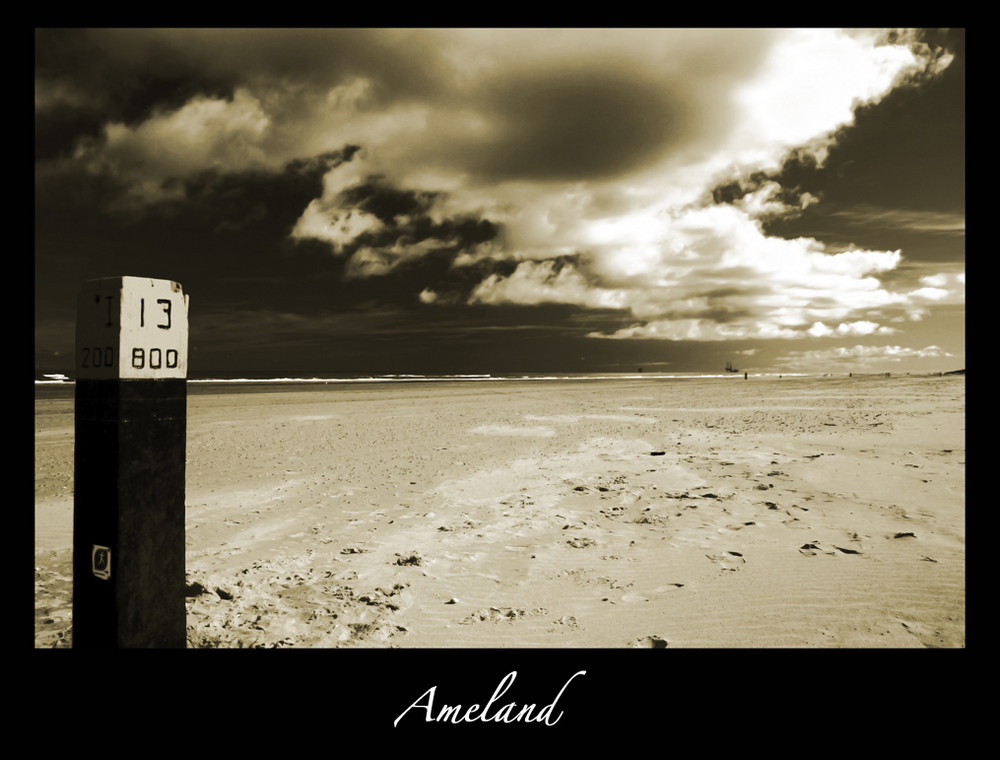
(98, 357)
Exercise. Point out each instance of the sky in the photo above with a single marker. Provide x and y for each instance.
(468, 201)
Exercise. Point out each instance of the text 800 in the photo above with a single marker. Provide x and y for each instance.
(157, 358)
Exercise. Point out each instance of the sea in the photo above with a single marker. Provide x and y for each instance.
(61, 379)
(54, 385)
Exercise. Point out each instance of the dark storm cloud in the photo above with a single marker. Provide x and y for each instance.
(132, 72)
(406, 215)
(398, 233)
(586, 122)
(225, 237)
(86, 79)
(90, 77)
(385, 202)
(267, 202)
(200, 205)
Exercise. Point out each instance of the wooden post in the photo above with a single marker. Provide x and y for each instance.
(131, 425)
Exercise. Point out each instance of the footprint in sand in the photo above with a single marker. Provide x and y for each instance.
(650, 642)
(634, 597)
(668, 587)
(566, 622)
(845, 550)
(729, 560)
(926, 635)
(736, 526)
(500, 614)
(812, 549)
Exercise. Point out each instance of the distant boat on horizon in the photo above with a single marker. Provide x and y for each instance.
(730, 367)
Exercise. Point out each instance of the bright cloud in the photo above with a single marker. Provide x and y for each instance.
(204, 134)
(541, 282)
(336, 227)
(858, 358)
(809, 86)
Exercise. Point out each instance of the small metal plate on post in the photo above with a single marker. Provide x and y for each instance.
(100, 561)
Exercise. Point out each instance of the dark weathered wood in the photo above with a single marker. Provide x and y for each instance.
(129, 497)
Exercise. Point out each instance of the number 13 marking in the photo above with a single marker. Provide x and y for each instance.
(166, 310)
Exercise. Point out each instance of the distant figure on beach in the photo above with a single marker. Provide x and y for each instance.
(744, 375)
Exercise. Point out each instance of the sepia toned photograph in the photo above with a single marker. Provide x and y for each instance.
(499, 338)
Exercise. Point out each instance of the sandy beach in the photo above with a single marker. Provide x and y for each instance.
(823, 512)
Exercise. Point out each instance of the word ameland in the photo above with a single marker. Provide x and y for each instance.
(508, 713)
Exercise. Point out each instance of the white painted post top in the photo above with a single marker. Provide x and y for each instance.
(132, 328)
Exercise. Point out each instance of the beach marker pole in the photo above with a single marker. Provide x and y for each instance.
(128, 502)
